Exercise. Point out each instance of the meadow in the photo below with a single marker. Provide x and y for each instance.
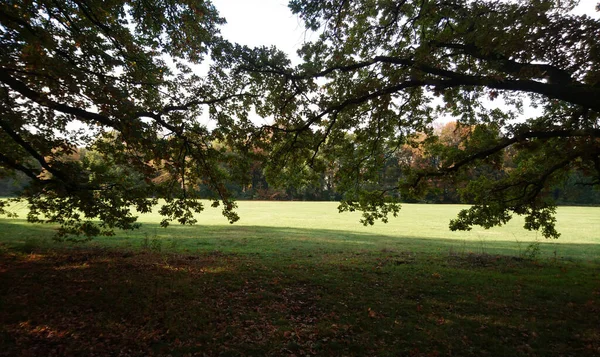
(268, 227)
(299, 279)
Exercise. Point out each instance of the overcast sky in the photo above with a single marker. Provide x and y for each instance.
(270, 22)
(261, 23)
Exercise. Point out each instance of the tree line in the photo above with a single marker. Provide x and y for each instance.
(575, 190)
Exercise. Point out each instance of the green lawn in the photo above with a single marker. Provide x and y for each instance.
(283, 227)
(299, 279)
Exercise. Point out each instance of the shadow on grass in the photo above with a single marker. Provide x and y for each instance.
(109, 302)
(293, 241)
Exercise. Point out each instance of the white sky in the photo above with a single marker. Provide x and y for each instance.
(270, 22)
(262, 23)
(587, 7)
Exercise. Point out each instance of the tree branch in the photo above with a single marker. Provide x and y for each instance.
(568, 91)
(506, 65)
(594, 133)
(7, 161)
(25, 145)
(43, 100)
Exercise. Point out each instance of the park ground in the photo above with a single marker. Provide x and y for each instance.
(299, 279)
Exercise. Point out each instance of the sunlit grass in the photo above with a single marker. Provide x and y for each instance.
(273, 228)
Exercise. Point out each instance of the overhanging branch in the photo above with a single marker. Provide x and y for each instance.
(506, 142)
(12, 164)
(25, 145)
(43, 100)
(565, 90)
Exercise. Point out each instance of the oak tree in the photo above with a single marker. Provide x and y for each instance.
(121, 79)
(522, 76)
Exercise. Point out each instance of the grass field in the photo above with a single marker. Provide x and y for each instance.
(283, 227)
(299, 279)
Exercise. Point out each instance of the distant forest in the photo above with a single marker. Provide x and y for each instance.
(576, 189)
(573, 192)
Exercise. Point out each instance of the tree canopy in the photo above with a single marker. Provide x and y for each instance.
(382, 71)
(117, 77)
(521, 80)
